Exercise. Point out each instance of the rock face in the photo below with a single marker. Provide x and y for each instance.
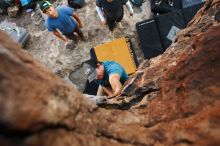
(172, 99)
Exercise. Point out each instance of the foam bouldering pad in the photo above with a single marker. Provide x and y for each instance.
(150, 39)
(119, 50)
(191, 11)
(169, 25)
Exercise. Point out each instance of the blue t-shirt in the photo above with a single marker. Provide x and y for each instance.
(112, 67)
(64, 22)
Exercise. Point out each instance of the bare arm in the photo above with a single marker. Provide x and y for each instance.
(59, 35)
(108, 91)
(116, 85)
(76, 17)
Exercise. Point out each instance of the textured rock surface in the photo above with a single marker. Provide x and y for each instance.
(171, 100)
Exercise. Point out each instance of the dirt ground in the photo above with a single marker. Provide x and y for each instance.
(66, 63)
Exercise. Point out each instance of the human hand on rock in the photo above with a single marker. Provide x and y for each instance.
(113, 95)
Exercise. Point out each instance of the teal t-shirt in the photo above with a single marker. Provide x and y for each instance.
(112, 67)
(64, 22)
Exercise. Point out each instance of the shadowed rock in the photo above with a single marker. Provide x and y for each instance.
(172, 99)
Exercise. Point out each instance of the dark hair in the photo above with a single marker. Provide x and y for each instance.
(93, 62)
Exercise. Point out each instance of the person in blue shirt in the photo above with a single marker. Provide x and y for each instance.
(110, 76)
(60, 20)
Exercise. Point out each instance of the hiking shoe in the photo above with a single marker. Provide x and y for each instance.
(70, 45)
(85, 37)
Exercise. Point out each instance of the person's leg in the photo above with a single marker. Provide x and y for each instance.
(111, 24)
(119, 18)
(119, 24)
(72, 36)
(79, 32)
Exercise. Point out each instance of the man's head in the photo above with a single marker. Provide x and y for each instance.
(93, 70)
(47, 8)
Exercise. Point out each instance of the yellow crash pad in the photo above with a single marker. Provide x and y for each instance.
(118, 50)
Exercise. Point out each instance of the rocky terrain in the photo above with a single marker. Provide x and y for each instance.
(172, 99)
(52, 52)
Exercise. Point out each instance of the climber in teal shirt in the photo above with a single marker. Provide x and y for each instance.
(110, 76)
